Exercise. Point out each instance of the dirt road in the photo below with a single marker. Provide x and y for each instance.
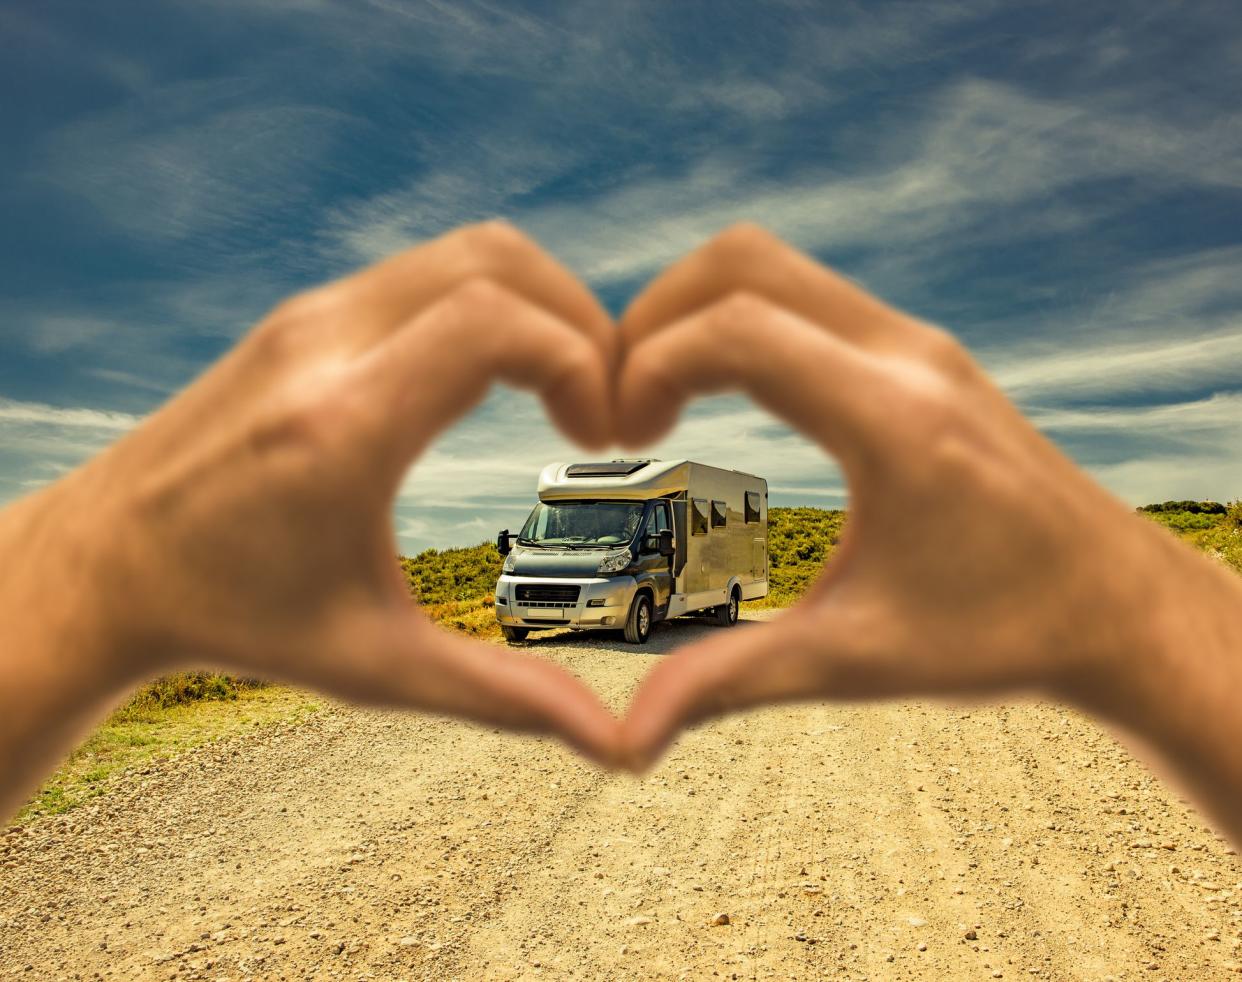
(890, 842)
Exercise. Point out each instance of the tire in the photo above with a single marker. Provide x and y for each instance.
(638, 623)
(513, 634)
(726, 613)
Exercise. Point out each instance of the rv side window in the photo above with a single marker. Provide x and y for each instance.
(698, 516)
(752, 507)
(720, 514)
(657, 520)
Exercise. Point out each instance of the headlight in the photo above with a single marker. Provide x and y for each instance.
(614, 562)
(511, 562)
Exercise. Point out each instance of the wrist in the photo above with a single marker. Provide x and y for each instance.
(61, 602)
(62, 660)
(1173, 635)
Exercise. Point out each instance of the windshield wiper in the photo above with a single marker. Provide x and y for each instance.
(553, 544)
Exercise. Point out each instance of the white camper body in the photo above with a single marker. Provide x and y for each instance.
(593, 546)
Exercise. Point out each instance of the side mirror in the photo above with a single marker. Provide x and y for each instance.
(667, 546)
(502, 542)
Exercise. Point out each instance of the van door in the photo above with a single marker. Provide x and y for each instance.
(657, 569)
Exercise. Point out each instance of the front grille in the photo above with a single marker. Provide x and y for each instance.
(547, 595)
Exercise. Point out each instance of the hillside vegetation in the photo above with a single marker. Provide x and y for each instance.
(1207, 525)
(455, 585)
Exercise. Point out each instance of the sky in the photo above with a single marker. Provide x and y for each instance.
(1059, 184)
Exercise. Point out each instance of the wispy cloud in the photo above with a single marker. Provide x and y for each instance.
(215, 158)
(1219, 415)
(1060, 200)
(982, 146)
(1142, 367)
(12, 411)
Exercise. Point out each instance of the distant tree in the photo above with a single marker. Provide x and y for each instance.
(1193, 507)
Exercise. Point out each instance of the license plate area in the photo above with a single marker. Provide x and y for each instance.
(541, 613)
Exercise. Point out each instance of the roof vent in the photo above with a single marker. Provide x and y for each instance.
(611, 468)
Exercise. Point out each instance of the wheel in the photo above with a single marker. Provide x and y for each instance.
(514, 633)
(638, 624)
(726, 614)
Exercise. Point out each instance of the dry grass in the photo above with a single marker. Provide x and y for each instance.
(143, 731)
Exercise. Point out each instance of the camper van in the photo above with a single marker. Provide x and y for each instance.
(624, 544)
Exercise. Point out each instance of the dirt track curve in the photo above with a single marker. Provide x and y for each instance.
(881, 842)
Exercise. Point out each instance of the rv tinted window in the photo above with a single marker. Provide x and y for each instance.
(581, 523)
(698, 516)
(658, 519)
(752, 507)
(720, 514)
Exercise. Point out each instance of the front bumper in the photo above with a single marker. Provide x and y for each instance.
(613, 595)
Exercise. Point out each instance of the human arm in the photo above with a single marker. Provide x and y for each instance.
(246, 525)
(977, 561)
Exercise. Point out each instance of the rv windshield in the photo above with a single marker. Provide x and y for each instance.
(582, 523)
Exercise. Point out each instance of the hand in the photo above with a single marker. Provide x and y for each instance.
(246, 525)
(977, 558)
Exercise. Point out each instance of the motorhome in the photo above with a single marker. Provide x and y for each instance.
(625, 544)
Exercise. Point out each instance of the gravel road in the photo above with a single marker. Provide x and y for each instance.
(881, 842)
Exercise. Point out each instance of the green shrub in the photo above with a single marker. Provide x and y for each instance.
(439, 576)
(1194, 507)
(800, 541)
(1185, 521)
(181, 688)
(1217, 533)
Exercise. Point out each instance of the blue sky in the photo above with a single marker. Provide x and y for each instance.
(1059, 184)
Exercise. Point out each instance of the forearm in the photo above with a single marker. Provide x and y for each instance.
(1179, 690)
(59, 670)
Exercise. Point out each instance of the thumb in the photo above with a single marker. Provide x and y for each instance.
(754, 664)
(425, 667)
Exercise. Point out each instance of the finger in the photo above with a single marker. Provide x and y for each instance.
(391, 292)
(430, 669)
(829, 389)
(441, 363)
(751, 666)
(749, 259)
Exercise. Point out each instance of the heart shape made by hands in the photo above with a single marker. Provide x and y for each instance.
(973, 561)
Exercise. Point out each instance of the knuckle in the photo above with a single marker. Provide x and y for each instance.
(940, 432)
(307, 305)
(735, 314)
(577, 358)
(478, 295)
(474, 314)
(303, 427)
(648, 364)
(739, 243)
(493, 240)
(947, 354)
(288, 331)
